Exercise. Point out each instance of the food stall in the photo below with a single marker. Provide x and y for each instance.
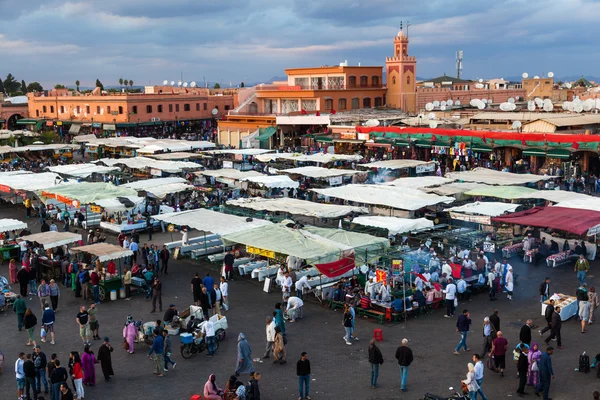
(106, 252)
(9, 248)
(48, 241)
(568, 305)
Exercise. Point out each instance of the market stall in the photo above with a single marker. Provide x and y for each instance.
(323, 176)
(293, 206)
(81, 170)
(159, 188)
(568, 305)
(47, 241)
(493, 177)
(419, 182)
(9, 248)
(105, 253)
(394, 225)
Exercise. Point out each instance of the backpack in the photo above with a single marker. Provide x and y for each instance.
(584, 363)
(249, 393)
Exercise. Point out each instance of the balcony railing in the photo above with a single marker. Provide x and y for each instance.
(319, 87)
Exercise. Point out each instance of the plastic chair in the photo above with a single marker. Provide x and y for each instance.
(378, 335)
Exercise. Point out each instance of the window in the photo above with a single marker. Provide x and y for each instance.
(37, 113)
(97, 110)
(186, 107)
(87, 109)
(134, 109)
(51, 109)
(364, 81)
(227, 107)
(120, 109)
(197, 106)
(78, 109)
(355, 103)
(148, 109)
(341, 104)
(44, 109)
(351, 81)
(378, 102)
(108, 109)
(159, 108)
(408, 80)
(170, 107)
(328, 104)
(62, 109)
(205, 107)
(367, 102)
(375, 81)
(176, 107)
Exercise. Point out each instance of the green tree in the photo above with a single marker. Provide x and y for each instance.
(11, 85)
(99, 84)
(130, 84)
(242, 85)
(35, 87)
(217, 86)
(77, 84)
(1, 86)
(59, 86)
(121, 82)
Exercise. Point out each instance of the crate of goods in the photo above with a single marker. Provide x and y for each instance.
(186, 338)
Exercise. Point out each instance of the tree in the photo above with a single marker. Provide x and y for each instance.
(11, 85)
(23, 87)
(242, 85)
(99, 84)
(217, 86)
(77, 84)
(35, 87)
(130, 84)
(59, 86)
(121, 82)
(1, 86)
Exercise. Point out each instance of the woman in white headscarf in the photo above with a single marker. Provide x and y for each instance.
(471, 382)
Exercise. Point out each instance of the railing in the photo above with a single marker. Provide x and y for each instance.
(319, 87)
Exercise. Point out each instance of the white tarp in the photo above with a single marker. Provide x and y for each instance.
(34, 182)
(113, 205)
(394, 225)
(82, 170)
(8, 224)
(492, 177)
(276, 181)
(321, 158)
(174, 145)
(144, 163)
(52, 239)
(12, 173)
(585, 203)
(177, 156)
(419, 182)
(245, 152)
(454, 188)
(104, 251)
(391, 196)
(229, 173)
(211, 221)
(394, 164)
(296, 207)
(319, 172)
(491, 209)
(160, 187)
(84, 138)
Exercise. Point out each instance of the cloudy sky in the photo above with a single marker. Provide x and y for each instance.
(57, 41)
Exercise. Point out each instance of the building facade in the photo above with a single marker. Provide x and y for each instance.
(401, 76)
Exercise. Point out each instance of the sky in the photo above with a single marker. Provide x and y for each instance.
(148, 41)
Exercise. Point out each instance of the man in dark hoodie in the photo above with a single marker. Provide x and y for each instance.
(29, 371)
(58, 377)
(523, 368)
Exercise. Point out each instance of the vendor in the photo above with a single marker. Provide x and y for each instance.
(170, 313)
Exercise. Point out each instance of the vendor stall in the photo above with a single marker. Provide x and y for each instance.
(47, 241)
(9, 248)
(394, 225)
(568, 305)
(493, 177)
(293, 206)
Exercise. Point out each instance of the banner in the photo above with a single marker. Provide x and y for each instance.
(421, 169)
(260, 252)
(336, 268)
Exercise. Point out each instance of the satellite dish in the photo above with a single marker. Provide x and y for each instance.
(185, 84)
(480, 80)
(193, 84)
(436, 103)
(565, 105)
(443, 107)
(457, 103)
(429, 106)
(372, 123)
(587, 106)
(442, 103)
(484, 101)
(568, 85)
(431, 116)
(516, 125)
(504, 106)
(548, 107)
(536, 77)
(550, 74)
(433, 124)
(215, 111)
(511, 100)
(165, 82)
(489, 101)
(525, 75)
(479, 85)
(179, 83)
(450, 102)
(172, 83)
(481, 105)
(517, 98)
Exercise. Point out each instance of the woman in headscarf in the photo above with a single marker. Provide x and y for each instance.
(211, 390)
(279, 354)
(471, 382)
(88, 363)
(12, 269)
(129, 332)
(244, 357)
(535, 355)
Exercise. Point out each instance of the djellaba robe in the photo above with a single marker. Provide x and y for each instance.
(105, 359)
(88, 361)
(129, 333)
(244, 356)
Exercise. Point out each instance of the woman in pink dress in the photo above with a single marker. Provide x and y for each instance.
(535, 355)
(129, 333)
(12, 269)
(211, 390)
(88, 362)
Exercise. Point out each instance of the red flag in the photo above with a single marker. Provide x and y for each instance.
(318, 114)
(336, 268)
(303, 112)
(523, 142)
(484, 139)
(575, 145)
(332, 111)
(433, 138)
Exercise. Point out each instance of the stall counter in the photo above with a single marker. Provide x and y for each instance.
(567, 304)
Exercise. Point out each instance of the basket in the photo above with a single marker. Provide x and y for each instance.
(186, 338)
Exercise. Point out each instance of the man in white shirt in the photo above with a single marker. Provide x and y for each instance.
(450, 296)
(20, 375)
(509, 283)
(291, 262)
(385, 292)
(447, 269)
(462, 289)
(370, 288)
(479, 374)
(434, 262)
(419, 283)
(224, 286)
(294, 308)
(467, 264)
(490, 281)
(270, 328)
(302, 284)
(208, 331)
(286, 286)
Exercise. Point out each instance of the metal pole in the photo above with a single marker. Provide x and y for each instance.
(404, 299)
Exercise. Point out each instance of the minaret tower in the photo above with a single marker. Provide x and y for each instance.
(401, 73)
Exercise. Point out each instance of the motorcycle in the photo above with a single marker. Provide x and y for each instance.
(453, 396)
(192, 344)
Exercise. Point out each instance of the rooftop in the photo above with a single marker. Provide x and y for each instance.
(445, 78)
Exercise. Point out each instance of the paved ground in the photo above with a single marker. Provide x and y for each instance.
(338, 371)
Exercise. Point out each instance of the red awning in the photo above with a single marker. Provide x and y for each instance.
(560, 218)
(336, 268)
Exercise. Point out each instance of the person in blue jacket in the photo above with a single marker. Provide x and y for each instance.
(546, 373)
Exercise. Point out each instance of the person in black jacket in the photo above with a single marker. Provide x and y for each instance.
(23, 278)
(375, 359)
(29, 371)
(65, 392)
(463, 325)
(164, 260)
(523, 368)
(548, 316)
(40, 362)
(254, 389)
(495, 320)
(59, 376)
(404, 356)
(545, 290)
(303, 372)
(525, 334)
(556, 325)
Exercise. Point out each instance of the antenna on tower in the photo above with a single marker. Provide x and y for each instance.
(407, 25)
(459, 59)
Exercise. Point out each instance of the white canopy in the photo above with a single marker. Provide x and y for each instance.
(419, 182)
(391, 196)
(112, 205)
(8, 224)
(104, 251)
(296, 207)
(52, 239)
(17, 172)
(144, 163)
(394, 164)
(276, 181)
(82, 170)
(394, 225)
(319, 172)
(453, 188)
(177, 156)
(589, 203)
(491, 209)
(322, 158)
(33, 182)
(84, 138)
(245, 152)
(160, 187)
(492, 177)
(229, 173)
(211, 221)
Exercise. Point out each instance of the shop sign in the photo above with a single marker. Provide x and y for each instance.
(336, 180)
(96, 209)
(397, 267)
(49, 123)
(421, 169)
(260, 252)
(380, 275)
(171, 228)
(478, 219)
(489, 247)
(363, 136)
(348, 135)
(155, 172)
(227, 164)
(59, 123)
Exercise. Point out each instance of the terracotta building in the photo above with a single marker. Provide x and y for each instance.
(10, 113)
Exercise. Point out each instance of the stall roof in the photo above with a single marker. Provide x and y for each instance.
(491, 209)
(394, 225)
(230, 173)
(319, 172)
(160, 187)
(419, 182)
(34, 182)
(579, 222)
(394, 164)
(16, 172)
(276, 181)
(144, 163)
(584, 203)
(81, 170)
(177, 156)
(245, 152)
(52, 239)
(391, 196)
(454, 188)
(520, 193)
(9, 224)
(104, 251)
(84, 138)
(89, 192)
(352, 239)
(211, 221)
(492, 177)
(296, 207)
(322, 158)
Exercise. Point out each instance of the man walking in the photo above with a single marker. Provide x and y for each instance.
(546, 373)
(224, 287)
(479, 374)
(43, 292)
(196, 286)
(495, 320)
(303, 372)
(208, 330)
(499, 348)
(525, 334)
(29, 371)
(548, 313)
(462, 326)
(19, 307)
(582, 266)
(164, 260)
(95, 282)
(228, 262)
(556, 326)
(105, 358)
(545, 290)
(40, 363)
(270, 337)
(156, 295)
(522, 369)
(450, 296)
(48, 318)
(489, 334)
(158, 348)
(404, 355)
(59, 376)
(83, 322)
(20, 375)
(375, 359)
(93, 318)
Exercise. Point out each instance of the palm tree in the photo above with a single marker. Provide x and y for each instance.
(121, 82)
(125, 82)
(77, 84)
(130, 84)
